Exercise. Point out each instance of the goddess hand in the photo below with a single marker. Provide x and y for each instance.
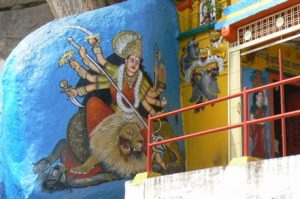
(82, 52)
(93, 40)
(72, 93)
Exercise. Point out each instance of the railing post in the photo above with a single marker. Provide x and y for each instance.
(282, 104)
(245, 113)
(149, 141)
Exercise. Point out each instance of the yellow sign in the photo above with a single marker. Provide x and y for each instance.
(269, 59)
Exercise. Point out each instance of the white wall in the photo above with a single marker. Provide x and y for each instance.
(267, 179)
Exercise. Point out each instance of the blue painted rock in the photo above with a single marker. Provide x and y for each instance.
(36, 116)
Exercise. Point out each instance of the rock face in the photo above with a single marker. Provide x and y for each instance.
(63, 8)
(16, 3)
(18, 18)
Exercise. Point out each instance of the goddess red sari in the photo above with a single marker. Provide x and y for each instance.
(258, 133)
(96, 111)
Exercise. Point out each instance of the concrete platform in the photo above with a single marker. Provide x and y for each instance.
(267, 179)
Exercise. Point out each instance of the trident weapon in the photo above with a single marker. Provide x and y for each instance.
(77, 46)
(159, 68)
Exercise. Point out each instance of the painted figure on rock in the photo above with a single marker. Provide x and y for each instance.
(106, 138)
(258, 132)
(258, 141)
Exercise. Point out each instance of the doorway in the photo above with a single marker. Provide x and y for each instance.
(292, 96)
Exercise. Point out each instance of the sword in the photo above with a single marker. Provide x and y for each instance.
(88, 32)
(73, 43)
(66, 89)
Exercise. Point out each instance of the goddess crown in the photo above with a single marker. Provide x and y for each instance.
(128, 43)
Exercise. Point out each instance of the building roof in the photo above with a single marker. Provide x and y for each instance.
(246, 9)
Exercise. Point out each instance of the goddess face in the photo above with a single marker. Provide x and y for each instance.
(132, 65)
(260, 98)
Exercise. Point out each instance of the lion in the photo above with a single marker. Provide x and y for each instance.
(117, 144)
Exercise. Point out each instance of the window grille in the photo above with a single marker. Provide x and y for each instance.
(269, 27)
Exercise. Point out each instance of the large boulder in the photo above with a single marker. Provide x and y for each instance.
(35, 115)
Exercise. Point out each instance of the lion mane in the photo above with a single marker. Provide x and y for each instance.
(104, 146)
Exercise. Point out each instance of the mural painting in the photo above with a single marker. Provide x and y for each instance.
(57, 102)
(106, 137)
(201, 67)
(210, 11)
(259, 134)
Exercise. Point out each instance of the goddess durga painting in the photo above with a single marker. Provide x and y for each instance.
(106, 138)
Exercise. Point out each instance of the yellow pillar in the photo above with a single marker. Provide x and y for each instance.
(185, 19)
(195, 14)
(234, 105)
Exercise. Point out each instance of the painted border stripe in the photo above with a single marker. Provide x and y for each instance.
(247, 12)
(239, 6)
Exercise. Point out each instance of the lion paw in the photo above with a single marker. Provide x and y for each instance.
(41, 165)
(175, 167)
(81, 170)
